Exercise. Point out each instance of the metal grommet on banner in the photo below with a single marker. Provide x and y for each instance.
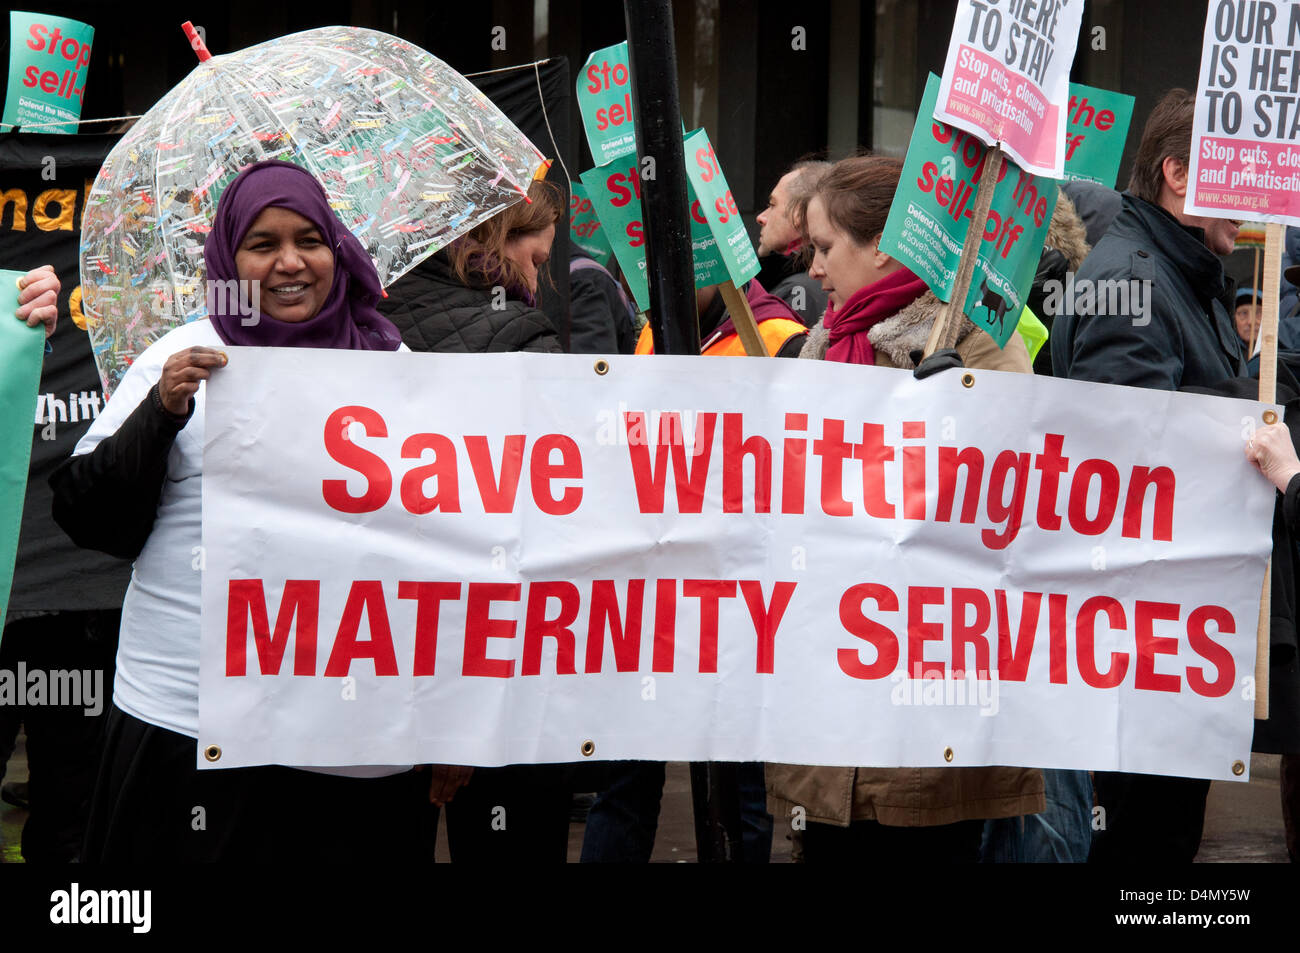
(1238, 768)
(947, 754)
(212, 752)
(602, 367)
(968, 380)
(588, 748)
(1270, 416)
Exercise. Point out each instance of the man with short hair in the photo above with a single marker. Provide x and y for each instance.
(1179, 332)
(783, 265)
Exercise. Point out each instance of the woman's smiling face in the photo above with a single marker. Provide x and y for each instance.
(287, 256)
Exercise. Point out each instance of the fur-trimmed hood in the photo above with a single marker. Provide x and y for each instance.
(896, 337)
(1066, 233)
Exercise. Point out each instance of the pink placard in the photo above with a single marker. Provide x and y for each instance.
(1243, 175)
(1005, 106)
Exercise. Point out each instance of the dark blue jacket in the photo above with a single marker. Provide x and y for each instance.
(1184, 334)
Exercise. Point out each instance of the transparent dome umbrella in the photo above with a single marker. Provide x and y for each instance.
(411, 156)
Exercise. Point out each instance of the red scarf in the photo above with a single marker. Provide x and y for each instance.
(866, 308)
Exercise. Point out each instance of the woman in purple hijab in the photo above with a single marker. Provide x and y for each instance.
(283, 271)
(275, 227)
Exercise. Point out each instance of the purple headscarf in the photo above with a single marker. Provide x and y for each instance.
(348, 318)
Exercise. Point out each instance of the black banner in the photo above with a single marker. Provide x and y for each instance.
(542, 113)
(44, 179)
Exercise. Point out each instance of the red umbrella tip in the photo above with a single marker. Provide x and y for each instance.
(196, 41)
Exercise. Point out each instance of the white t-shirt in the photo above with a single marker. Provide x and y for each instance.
(158, 648)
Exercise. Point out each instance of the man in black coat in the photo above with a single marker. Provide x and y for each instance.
(1177, 331)
(1177, 328)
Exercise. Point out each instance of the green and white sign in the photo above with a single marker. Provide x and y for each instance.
(615, 192)
(21, 351)
(719, 207)
(933, 207)
(49, 58)
(584, 226)
(1095, 132)
(605, 103)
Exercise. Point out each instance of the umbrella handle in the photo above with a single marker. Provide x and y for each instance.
(196, 42)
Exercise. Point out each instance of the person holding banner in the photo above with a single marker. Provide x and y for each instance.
(480, 295)
(880, 313)
(1178, 332)
(133, 488)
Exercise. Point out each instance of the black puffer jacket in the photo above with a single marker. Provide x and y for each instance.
(436, 312)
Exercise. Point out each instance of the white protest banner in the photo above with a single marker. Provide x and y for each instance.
(511, 558)
(1007, 77)
(1245, 158)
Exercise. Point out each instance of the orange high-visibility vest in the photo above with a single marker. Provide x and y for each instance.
(774, 332)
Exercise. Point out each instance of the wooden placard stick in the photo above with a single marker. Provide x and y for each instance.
(738, 307)
(949, 316)
(1250, 351)
(1268, 394)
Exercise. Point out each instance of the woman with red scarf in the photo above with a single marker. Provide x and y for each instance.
(880, 313)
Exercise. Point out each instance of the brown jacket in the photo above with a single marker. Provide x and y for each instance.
(910, 797)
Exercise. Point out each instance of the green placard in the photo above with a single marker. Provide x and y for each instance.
(1095, 132)
(933, 206)
(21, 351)
(605, 103)
(49, 58)
(584, 226)
(719, 207)
(615, 191)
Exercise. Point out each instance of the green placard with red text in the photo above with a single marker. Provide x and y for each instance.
(1095, 131)
(584, 226)
(719, 207)
(933, 206)
(615, 192)
(605, 104)
(49, 58)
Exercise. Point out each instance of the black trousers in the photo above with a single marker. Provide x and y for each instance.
(515, 814)
(1148, 818)
(153, 805)
(872, 841)
(63, 741)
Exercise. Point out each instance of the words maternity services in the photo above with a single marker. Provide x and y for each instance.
(528, 522)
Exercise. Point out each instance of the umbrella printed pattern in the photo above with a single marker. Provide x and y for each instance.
(410, 154)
